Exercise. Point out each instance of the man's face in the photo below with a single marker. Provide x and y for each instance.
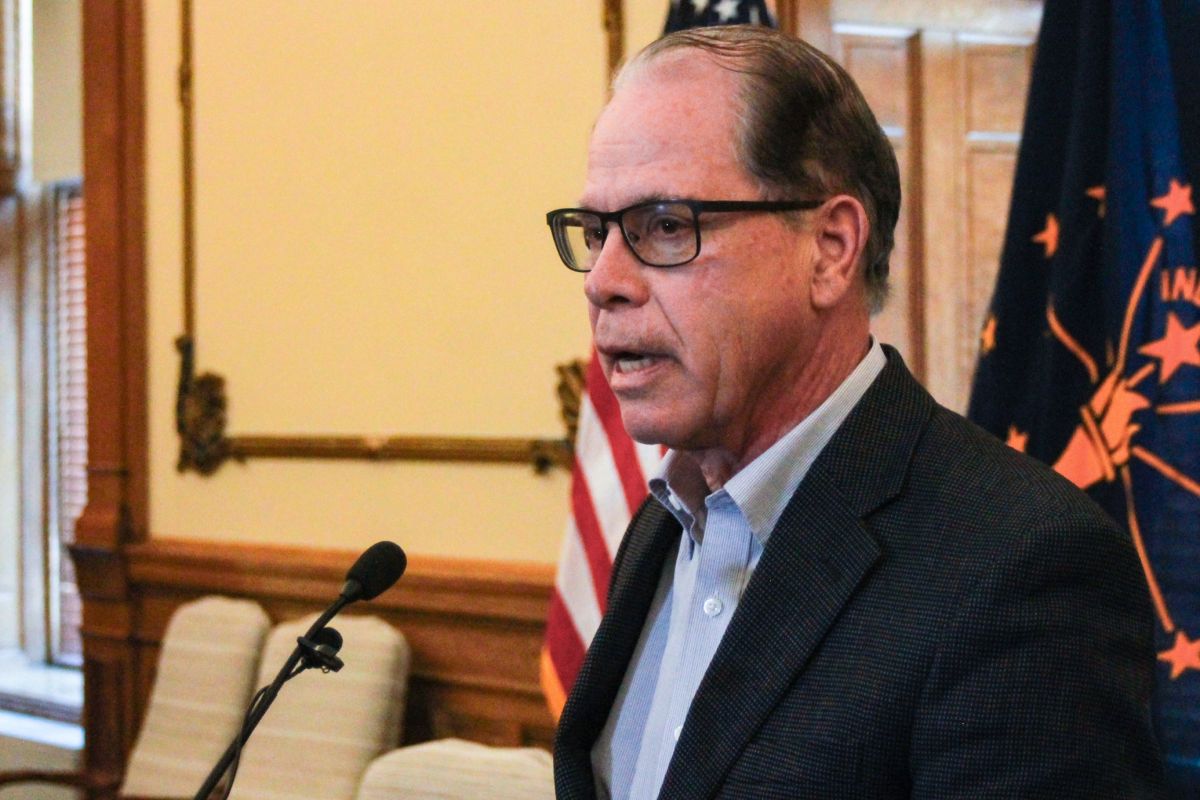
(706, 355)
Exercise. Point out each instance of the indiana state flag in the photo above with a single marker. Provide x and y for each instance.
(1090, 355)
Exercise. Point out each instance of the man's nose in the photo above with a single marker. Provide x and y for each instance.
(617, 276)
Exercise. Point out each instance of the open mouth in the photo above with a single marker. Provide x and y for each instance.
(627, 361)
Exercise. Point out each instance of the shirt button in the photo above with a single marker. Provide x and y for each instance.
(713, 606)
(678, 731)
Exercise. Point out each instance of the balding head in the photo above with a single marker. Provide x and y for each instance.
(804, 128)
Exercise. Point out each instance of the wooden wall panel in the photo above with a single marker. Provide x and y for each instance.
(997, 78)
(995, 83)
(941, 186)
(952, 103)
(885, 62)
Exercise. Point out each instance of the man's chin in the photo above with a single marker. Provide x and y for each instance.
(652, 429)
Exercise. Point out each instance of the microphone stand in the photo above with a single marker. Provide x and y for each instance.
(258, 710)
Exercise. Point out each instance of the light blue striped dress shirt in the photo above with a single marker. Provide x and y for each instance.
(724, 536)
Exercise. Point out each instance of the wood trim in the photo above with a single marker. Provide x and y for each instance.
(490, 590)
(541, 454)
(116, 511)
(811, 20)
(113, 155)
(914, 205)
(1010, 17)
(943, 229)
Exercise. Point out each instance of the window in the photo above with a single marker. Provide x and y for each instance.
(43, 412)
(67, 412)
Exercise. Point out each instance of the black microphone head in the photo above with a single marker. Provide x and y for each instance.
(380, 566)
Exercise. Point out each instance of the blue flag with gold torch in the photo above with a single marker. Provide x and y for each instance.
(1090, 354)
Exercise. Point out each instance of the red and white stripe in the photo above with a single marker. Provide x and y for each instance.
(608, 483)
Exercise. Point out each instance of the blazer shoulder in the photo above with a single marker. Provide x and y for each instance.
(960, 463)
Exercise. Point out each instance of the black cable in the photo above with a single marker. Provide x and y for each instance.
(231, 774)
(245, 730)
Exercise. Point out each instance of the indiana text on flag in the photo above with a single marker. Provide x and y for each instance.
(608, 480)
(1090, 355)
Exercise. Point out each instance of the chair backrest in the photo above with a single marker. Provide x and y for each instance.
(453, 769)
(204, 680)
(323, 730)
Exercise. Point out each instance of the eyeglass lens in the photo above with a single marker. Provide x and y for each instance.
(660, 234)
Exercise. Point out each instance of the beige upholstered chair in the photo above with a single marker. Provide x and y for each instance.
(210, 655)
(453, 769)
(323, 730)
(205, 677)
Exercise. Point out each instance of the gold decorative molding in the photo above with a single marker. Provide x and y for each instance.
(614, 34)
(201, 402)
(542, 454)
(199, 414)
(570, 395)
(204, 447)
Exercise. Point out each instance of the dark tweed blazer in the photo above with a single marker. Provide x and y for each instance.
(934, 616)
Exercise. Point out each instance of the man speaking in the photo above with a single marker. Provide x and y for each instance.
(838, 589)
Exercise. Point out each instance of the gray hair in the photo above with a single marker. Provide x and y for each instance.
(804, 128)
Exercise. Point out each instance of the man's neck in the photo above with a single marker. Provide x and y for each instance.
(819, 379)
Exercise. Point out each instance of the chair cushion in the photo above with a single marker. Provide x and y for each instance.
(454, 769)
(204, 680)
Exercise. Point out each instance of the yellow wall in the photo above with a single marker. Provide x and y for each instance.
(372, 258)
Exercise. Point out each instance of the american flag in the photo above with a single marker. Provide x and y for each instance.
(697, 13)
(608, 483)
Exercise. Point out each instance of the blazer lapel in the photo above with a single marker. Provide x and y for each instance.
(636, 573)
(816, 557)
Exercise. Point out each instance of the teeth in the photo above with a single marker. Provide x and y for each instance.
(632, 363)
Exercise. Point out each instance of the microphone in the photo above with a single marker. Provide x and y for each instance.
(375, 571)
(380, 566)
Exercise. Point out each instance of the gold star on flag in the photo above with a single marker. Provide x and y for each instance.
(1178, 346)
(1184, 655)
(1176, 202)
(1049, 236)
(987, 337)
(1017, 440)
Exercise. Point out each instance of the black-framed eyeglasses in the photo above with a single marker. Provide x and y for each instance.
(661, 233)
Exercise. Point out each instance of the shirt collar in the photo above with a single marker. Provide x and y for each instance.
(761, 490)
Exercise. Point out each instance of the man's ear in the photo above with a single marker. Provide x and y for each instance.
(840, 229)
